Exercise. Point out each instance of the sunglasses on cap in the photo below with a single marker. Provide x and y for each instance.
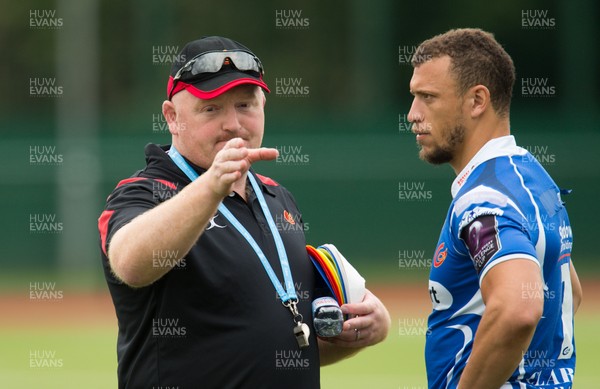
(213, 61)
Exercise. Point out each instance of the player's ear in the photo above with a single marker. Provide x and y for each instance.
(479, 100)
(169, 111)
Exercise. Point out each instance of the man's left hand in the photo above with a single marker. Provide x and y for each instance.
(368, 324)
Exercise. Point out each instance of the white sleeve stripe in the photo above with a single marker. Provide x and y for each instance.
(478, 195)
(481, 194)
(540, 246)
(505, 258)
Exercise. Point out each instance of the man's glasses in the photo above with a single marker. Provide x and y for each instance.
(213, 61)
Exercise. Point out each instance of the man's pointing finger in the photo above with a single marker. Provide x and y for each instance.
(262, 154)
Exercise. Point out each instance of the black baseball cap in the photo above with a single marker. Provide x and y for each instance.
(207, 68)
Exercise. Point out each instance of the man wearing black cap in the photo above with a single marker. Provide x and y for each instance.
(208, 292)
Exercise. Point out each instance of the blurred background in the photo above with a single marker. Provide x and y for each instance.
(83, 83)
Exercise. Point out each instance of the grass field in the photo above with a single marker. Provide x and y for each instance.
(83, 355)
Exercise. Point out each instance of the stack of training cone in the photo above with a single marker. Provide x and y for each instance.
(345, 283)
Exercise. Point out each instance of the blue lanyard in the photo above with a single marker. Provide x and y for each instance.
(286, 295)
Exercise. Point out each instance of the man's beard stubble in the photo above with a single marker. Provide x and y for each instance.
(445, 153)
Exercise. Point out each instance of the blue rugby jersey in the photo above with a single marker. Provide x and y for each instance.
(505, 206)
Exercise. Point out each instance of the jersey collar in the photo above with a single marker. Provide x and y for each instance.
(494, 148)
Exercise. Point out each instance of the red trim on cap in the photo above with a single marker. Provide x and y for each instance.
(180, 86)
(103, 228)
(266, 180)
(207, 95)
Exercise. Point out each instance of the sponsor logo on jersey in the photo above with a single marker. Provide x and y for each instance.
(475, 233)
(466, 174)
(289, 222)
(440, 255)
(566, 237)
(441, 298)
(551, 377)
(212, 223)
(469, 216)
(288, 217)
(481, 238)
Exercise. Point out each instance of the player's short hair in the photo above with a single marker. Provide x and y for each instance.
(476, 59)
